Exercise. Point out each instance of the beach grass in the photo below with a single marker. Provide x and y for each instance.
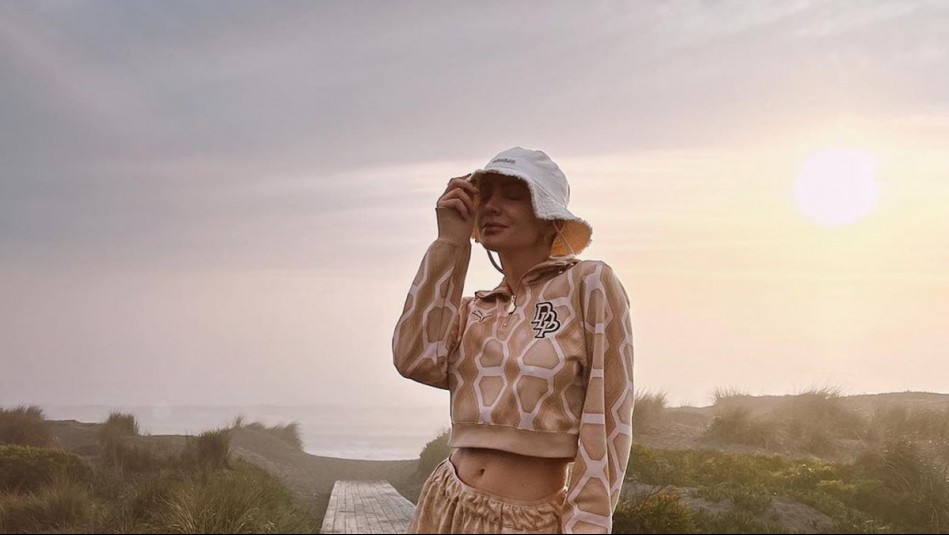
(132, 487)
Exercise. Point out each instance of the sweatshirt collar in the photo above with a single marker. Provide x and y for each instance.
(553, 264)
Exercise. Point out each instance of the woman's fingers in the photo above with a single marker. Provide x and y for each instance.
(463, 183)
(464, 196)
(460, 196)
(456, 204)
(456, 209)
(463, 208)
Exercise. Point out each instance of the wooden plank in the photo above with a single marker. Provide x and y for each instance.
(366, 507)
(329, 519)
(359, 508)
(397, 515)
(372, 515)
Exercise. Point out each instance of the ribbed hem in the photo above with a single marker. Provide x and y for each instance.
(520, 441)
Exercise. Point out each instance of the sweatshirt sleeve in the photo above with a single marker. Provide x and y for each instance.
(431, 325)
(606, 421)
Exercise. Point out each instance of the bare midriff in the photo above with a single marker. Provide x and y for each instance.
(508, 474)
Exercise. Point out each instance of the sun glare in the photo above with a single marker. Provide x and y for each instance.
(837, 186)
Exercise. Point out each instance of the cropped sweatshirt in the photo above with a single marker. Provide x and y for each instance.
(553, 378)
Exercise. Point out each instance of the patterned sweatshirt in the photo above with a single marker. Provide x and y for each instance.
(553, 378)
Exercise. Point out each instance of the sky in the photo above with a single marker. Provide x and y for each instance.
(225, 203)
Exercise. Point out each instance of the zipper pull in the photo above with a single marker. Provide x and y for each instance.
(512, 305)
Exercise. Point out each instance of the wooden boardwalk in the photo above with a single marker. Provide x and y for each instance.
(367, 507)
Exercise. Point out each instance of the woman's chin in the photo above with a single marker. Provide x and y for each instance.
(492, 244)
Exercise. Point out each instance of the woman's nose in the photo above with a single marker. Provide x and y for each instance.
(489, 203)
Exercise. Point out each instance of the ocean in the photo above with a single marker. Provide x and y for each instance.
(378, 433)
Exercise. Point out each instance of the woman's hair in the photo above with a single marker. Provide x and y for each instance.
(555, 224)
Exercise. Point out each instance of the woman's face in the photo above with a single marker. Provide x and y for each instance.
(505, 215)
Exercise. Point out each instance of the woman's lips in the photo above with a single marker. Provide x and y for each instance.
(493, 228)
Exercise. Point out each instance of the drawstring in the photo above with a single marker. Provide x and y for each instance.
(495, 264)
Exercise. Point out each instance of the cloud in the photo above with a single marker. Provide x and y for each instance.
(292, 133)
(202, 184)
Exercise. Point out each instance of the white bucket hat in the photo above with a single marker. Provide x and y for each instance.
(549, 195)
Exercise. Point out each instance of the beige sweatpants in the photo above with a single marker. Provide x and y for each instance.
(448, 505)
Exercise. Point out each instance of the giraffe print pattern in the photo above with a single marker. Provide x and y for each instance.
(552, 379)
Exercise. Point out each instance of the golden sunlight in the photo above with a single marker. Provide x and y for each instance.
(837, 186)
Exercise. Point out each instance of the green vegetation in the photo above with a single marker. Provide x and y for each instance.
(62, 505)
(209, 450)
(893, 478)
(736, 521)
(119, 424)
(896, 478)
(653, 512)
(289, 433)
(243, 500)
(727, 395)
(814, 422)
(434, 452)
(117, 450)
(735, 424)
(27, 468)
(814, 418)
(918, 425)
(648, 412)
(897, 488)
(135, 488)
(25, 426)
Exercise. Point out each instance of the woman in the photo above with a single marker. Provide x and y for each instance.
(539, 369)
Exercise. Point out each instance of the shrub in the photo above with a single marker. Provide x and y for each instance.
(25, 426)
(813, 418)
(190, 497)
(436, 451)
(648, 411)
(194, 493)
(62, 505)
(243, 500)
(119, 425)
(146, 495)
(134, 503)
(119, 449)
(898, 421)
(753, 499)
(900, 488)
(735, 424)
(653, 513)
(807, 475)
(725, 396)
(132, 457)
(26, 468)
(734, 522)
(913, 492)
(289, 433)
(209, 450)
(807, 422)
(646, 466)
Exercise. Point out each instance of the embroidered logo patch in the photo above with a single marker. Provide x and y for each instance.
(545, 319)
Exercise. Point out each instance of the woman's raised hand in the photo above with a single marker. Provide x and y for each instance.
(455, 210)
